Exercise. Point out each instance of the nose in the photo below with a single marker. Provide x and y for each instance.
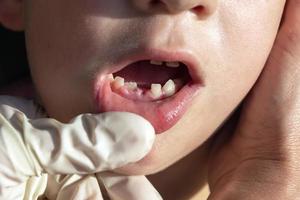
(200, 7)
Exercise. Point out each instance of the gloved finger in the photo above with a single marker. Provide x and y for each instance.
(35, 186)
(73, 187)
(88, 144)
(120, 187)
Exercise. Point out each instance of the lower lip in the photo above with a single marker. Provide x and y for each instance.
(162, 114)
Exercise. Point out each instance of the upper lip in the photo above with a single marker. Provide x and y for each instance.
(184, 56)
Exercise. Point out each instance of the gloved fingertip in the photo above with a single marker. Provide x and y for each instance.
(133, 136)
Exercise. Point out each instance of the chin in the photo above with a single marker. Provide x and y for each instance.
(146, 166)
(154, 162)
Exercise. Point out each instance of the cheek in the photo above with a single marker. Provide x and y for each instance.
(236, 59)
(61, 57)
(247, 34)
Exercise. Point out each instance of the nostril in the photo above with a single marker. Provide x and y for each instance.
(202, 11)
(198, 9)
(175, 6)
(157, 3)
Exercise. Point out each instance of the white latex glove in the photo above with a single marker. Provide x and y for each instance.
(31, 148)
(114, 186)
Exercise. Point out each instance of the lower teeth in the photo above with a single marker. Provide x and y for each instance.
(156, 92)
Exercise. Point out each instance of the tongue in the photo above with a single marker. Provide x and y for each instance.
(144, 73)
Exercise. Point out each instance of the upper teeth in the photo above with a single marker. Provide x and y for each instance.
(169, 64)
(173, 64)
(155, 62)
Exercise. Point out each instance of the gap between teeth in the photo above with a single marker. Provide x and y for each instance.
(156, 91)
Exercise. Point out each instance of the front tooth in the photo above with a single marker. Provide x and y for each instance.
(131, 85)
(169, 88)
(156, 90)
(118, 82)
(155, 62)
(173, 64)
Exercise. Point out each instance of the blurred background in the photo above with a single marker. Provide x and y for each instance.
(13, 61)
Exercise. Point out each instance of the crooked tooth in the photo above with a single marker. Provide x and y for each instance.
(131, 85)
(169, 88)
(156, 90)
(173, 64)
(118, 82)
(156, 62)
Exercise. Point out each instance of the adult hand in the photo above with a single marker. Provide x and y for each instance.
(261, 158)
(88, 144)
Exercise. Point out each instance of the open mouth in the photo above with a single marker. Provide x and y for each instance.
(150, 80)
(160, 90)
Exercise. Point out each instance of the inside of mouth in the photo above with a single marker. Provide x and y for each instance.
(145, 74)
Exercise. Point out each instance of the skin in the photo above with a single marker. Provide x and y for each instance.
(216, 37)
(232, 45)
(263, 138)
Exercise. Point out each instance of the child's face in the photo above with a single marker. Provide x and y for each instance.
(73, 44)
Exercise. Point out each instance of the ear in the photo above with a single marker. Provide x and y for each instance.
(11, 14)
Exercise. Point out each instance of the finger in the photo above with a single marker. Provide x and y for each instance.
(88, 144)
(81, 187)
(288, 36)
(120, 187)
(291, 13)
(35, 186)
(72, 187)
